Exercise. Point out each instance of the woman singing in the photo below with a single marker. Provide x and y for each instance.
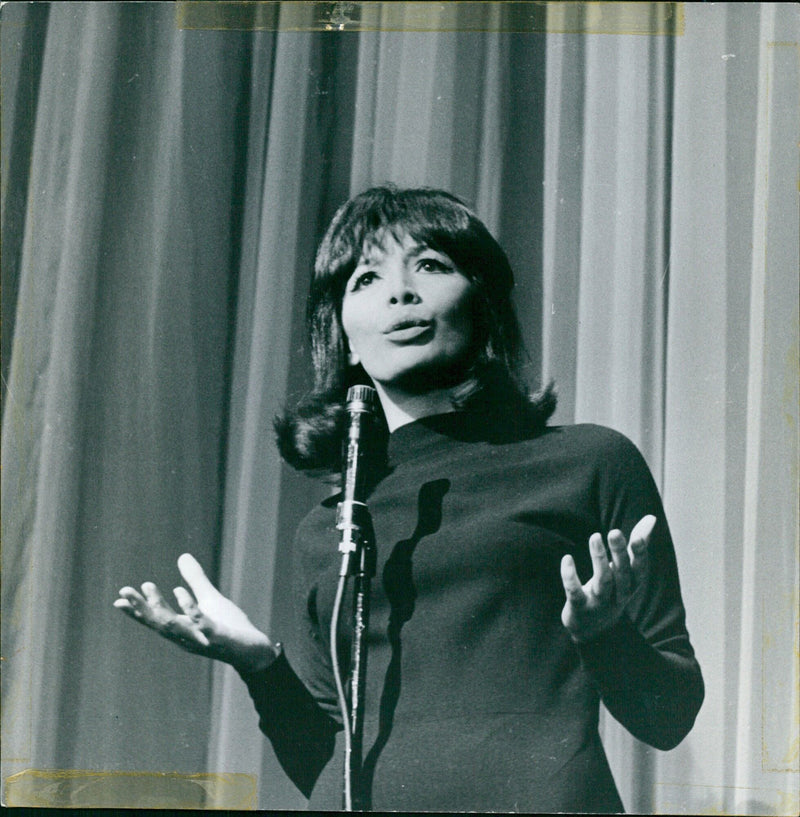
(488, 657)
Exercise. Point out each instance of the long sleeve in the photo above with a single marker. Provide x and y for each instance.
(653, 692)
(295, 696)
(644, 666)
(302, 734)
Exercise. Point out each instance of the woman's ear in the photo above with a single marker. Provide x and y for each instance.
(352, 358)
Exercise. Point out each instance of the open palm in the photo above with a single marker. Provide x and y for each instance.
(210, 624)
(597, 605)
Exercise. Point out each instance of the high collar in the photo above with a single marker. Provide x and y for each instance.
(432, 433)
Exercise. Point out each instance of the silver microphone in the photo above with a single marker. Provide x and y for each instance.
(352, 516)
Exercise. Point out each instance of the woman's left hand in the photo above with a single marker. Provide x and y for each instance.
(597, 605)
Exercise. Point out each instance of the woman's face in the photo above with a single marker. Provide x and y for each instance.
(407, 314)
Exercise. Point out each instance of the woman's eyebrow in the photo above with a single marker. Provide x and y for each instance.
(419, 249)
(373, 254)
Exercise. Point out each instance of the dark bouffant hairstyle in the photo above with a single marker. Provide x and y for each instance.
(309, 436)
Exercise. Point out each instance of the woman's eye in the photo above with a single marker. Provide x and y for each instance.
(362, 280)
(432, 265)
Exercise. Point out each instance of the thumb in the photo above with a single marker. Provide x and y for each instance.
(194, 575)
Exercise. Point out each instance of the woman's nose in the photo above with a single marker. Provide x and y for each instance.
(403, 291)
(408, 296)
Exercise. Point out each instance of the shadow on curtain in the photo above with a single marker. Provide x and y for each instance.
(163, 193)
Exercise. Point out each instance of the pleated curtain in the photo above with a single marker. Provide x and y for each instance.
(163, 193)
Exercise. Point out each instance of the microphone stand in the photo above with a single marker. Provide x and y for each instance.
(364, 570)
(358, 550)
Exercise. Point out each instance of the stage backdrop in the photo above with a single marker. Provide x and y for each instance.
(165, 180)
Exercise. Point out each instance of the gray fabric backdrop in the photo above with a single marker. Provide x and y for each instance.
(163, 192)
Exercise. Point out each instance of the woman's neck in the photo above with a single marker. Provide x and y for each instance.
(401, 408)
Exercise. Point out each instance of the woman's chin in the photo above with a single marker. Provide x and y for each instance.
(426, 378)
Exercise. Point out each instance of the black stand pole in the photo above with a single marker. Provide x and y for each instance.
(365, 570)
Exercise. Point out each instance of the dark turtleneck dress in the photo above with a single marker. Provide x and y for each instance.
(477, 698)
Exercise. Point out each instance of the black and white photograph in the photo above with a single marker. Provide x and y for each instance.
(401, 406)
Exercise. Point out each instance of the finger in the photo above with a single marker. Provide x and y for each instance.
(195, 614)
(572, 583)
(602, 580)
(126, 607)
(640, 541)
(194, 575)
(162, 612)
(622, 564)
(132, 595)
(132, 602)
(187, 604)
(168, 623)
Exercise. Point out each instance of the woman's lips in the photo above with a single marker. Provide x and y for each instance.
(408, 331)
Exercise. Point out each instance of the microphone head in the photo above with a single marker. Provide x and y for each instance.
(362, 399)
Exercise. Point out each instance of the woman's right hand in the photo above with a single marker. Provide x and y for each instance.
(210, 624)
